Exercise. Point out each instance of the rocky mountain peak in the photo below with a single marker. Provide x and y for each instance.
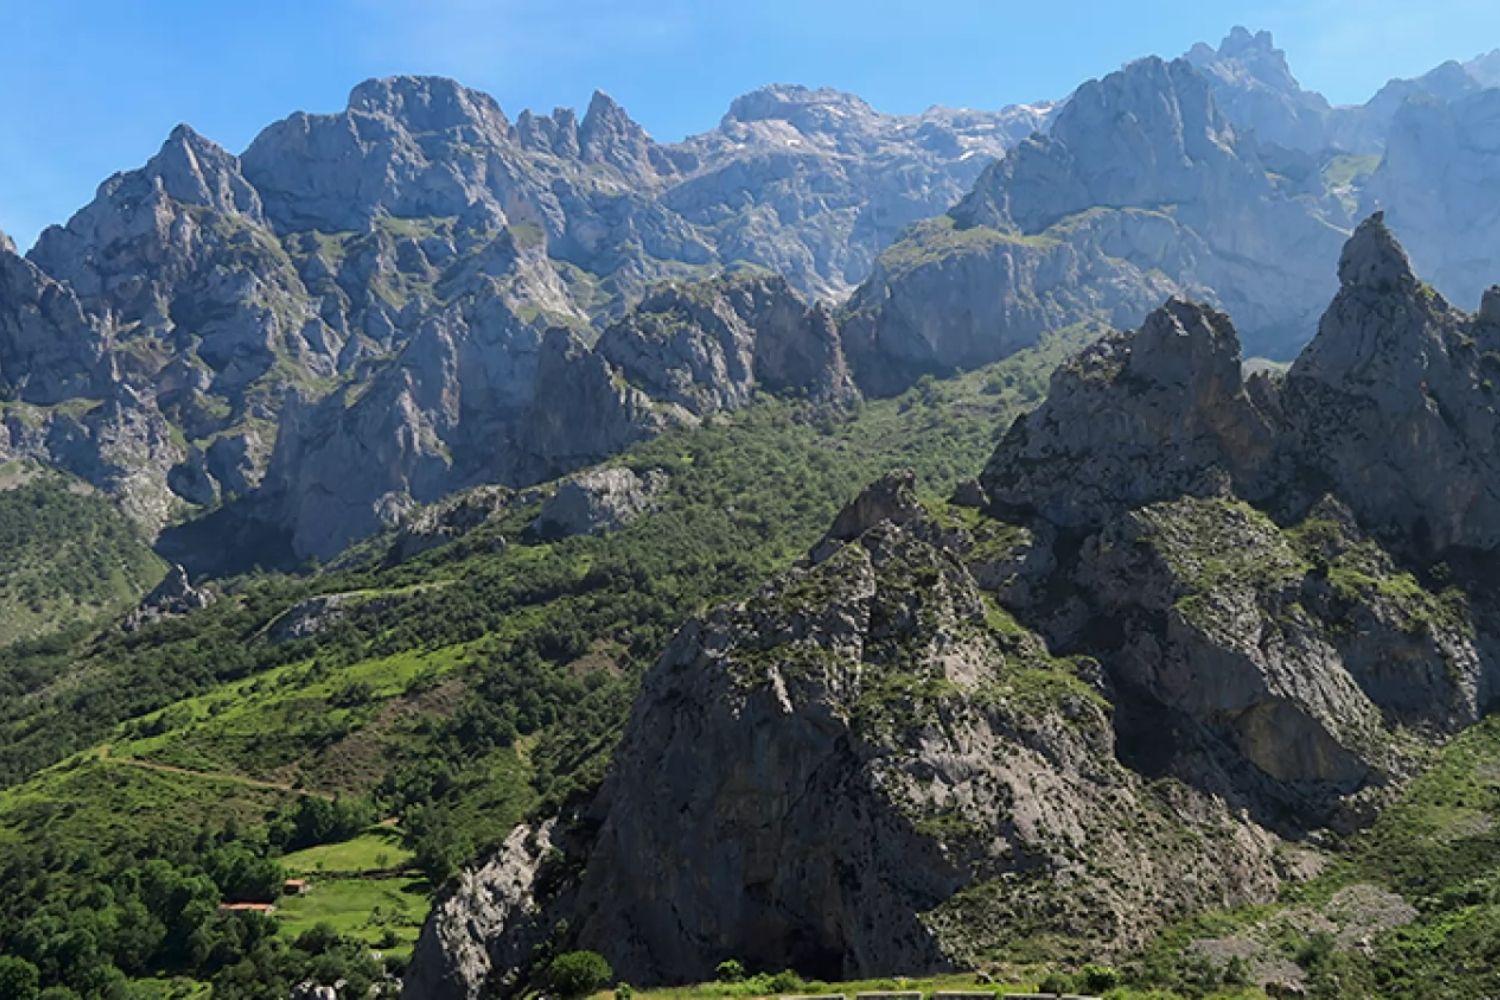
(1137, 417)
(891, 499)
(609, 135)
(1385, 336)
(1489, 307)
(556, 133)
(1247, 57)
(197, 171)
(1241, 41)
(605, 114)
(1185, 344)
(428, 104)
(1485, 68)
(1255, 89)
(1171, 100)
(7, 245)
(1449, 79)
(806, 107)
(1159, 117)
(1373, 260)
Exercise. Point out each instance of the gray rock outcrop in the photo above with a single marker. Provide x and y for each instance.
(844, 775)
(440, 523)
(49, 349)
(707, 347)
(597, 501)
(1192, 617)
(1393, 403)
(1159, 413)
(316, 615)
(174, 596)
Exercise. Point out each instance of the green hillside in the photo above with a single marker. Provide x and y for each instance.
(147, 778)
(375, 757)
(70, 556)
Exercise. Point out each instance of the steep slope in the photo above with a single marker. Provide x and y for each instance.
(479, 395)
(1255, 89)
(71, 558)
(898, 772)
(452, 673)
(1435, 185)
(814, 183)
(1189, 618)
(1141, 189)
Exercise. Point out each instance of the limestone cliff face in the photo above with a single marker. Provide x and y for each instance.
(706, 348)
(861, 769)
(1254, 88)
(394, 269)
(1236, 619)
(179, 252)
(1181, 615)
(1155, 414)
(1141, 189)
(1434, 184)
(49, 350)
(1393, 403)
(480, 395)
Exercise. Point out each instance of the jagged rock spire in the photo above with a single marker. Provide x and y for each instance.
(1373, 259)
(1137, 417)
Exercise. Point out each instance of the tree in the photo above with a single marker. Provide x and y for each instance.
(19, 979)
(438, 847)
(578, 973)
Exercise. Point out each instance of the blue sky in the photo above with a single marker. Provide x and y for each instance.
(93, 86)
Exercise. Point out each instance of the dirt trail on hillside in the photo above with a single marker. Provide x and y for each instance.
(237, 779)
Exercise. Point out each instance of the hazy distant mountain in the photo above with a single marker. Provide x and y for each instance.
(1256, 90)
(1142, 189)
(1437, 185)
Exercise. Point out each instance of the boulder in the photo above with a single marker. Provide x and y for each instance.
(597, 501)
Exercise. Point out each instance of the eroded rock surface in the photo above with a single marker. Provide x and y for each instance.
(597, 501)
(1177, 620)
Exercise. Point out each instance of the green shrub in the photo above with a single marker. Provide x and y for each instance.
(730, 971)
(624, 991)
(1099, 978)
(785, 981)
(19, 979)
(578, 973)
(1056, 982)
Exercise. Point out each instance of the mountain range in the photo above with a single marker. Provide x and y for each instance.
(1048, 548)
(369, 309)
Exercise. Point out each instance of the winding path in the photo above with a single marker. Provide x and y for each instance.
(236, 779)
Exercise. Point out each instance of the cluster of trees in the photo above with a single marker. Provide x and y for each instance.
(82, 927)
(67, 546)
